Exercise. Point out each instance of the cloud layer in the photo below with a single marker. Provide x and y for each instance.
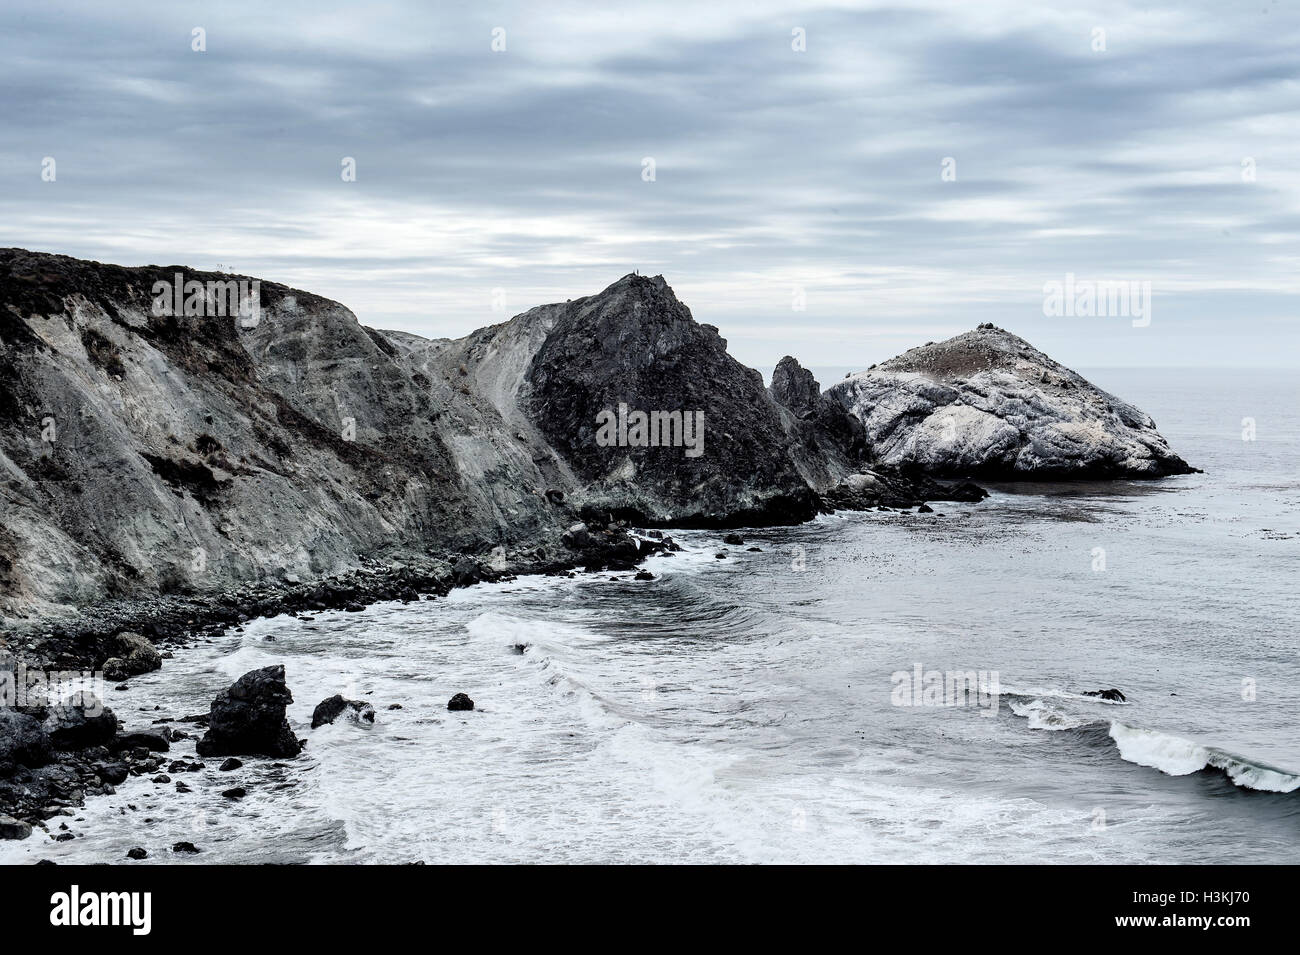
(1168, 156)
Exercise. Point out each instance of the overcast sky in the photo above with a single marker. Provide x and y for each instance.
(775, 169)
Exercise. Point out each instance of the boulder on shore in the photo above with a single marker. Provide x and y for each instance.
(11, 828)
(23, 742)
(248, 718)
(78, 725)
(132, 655)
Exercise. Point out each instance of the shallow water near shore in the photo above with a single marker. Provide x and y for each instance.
(743, 709)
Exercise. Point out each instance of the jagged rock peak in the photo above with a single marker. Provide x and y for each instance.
(794, 386)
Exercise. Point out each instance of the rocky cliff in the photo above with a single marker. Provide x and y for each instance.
(987, 404)
(179, 456)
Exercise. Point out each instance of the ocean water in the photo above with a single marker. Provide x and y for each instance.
(747, 709)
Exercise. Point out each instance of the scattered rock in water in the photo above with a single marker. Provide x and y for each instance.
(162, 779)
(1112, 694)
(721, 555)
(756, 550)
(460, 702)
(132, 654)
(327, 711)
(238, 792)
(231, 764)
(394, 706)
(733, 539)
(147, 739)
(925, 509)
(248, 718)
(182, 788)
(186, 848)
(644, 575)
(136, 853)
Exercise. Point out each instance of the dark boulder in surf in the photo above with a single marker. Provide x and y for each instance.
(248, 718)
(327, 711)
(1112, 694)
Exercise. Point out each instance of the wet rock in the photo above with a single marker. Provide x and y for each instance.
(1112, 694)
(733, 539)
(136, 853)
(248, 718)
(460, 702)
(184, 848)
(112, 773)
(327, 711)
(13, 829)
(23, 742)
(238, 792)
(132, 655)
(925, 509)
(80, 725)
(466, 571)
(144, 739)
(577, 537)
(644, 575)
(231, 764)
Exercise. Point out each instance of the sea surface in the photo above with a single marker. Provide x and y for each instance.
(748, 709)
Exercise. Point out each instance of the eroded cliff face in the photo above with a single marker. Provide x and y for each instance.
(987, 404)
(147, 454)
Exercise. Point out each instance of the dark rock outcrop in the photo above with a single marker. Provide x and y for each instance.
(248, 718)
(327, 711)
(1112, 694)
(827, 443)
(709, 451)
(460, 702)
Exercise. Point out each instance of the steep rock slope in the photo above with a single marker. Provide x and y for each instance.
(988, 404)
(147, 454)
(827, 442)
(637, 346)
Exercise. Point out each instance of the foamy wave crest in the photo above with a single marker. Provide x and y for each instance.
(548, 649)
(1177, 756)
(1045, 716)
